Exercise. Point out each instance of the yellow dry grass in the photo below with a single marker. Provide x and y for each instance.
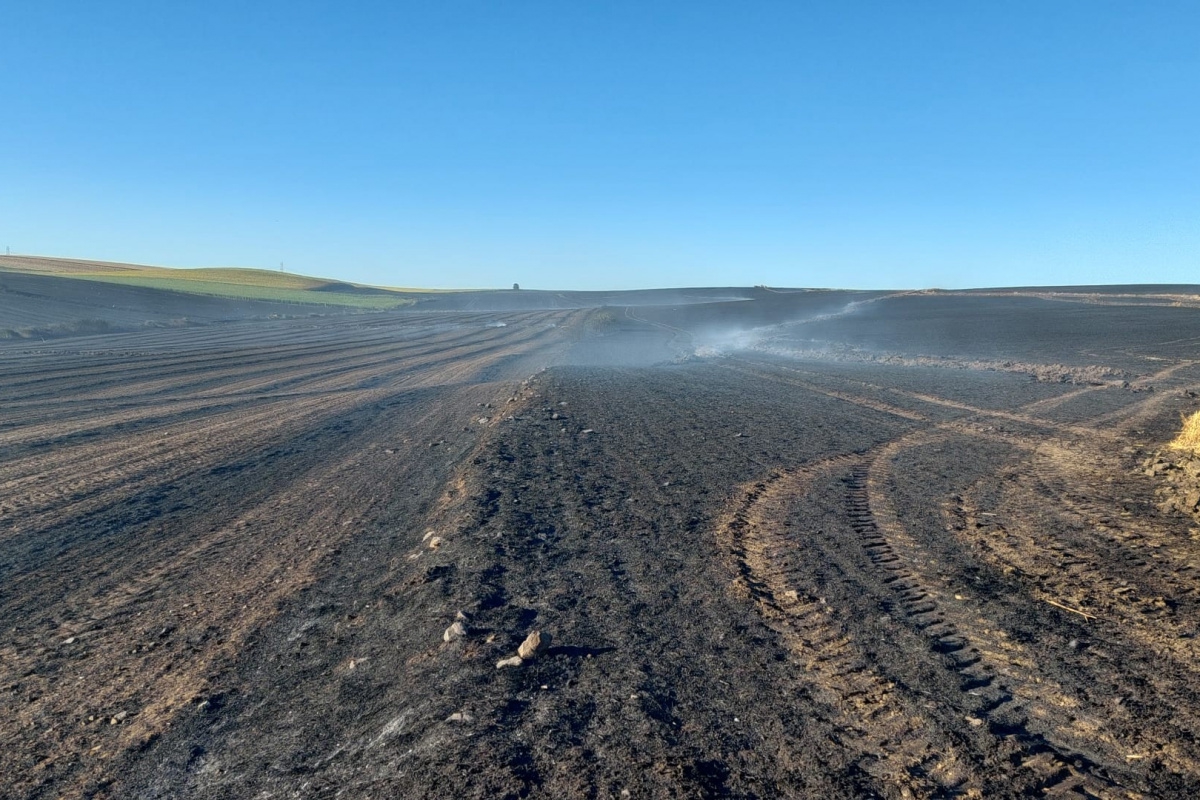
(1188, 438)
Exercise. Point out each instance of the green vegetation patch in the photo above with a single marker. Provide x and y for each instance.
(231, 275)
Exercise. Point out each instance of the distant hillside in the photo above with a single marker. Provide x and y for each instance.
(44, 298)
(242, 284)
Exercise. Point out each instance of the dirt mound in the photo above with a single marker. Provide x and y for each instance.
(1178, 474)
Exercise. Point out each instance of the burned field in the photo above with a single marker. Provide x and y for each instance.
(809, 544)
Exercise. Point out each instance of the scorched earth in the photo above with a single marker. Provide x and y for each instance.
(779, 544)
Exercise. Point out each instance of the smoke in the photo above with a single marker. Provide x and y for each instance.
(778, 338)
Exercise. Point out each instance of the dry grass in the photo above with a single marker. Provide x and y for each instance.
(1188, 438)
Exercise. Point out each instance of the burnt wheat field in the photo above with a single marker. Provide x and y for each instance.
(776, 543)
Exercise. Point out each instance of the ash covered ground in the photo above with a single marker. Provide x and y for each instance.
(781, 544)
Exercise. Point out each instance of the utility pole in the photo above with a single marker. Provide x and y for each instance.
(281, 266)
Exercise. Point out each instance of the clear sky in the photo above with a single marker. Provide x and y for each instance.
(610, 144)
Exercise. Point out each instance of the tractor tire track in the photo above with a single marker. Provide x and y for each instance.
(896, 742)
(1054, 769)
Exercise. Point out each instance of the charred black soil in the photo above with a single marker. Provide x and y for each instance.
(787, 544)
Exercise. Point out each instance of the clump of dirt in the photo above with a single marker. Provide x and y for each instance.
(1179, 474)
(1177, 467)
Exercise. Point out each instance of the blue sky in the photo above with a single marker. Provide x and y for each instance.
(610, 145)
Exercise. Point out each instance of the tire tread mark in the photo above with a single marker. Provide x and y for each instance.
(891, 739)
(1056, 771)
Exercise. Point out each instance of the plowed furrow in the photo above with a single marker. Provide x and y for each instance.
(165, 372)
(240, 372)
(38, 491)
(239, 376)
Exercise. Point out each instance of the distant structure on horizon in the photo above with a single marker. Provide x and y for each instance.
(516, 287)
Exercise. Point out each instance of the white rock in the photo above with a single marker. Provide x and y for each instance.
(514, 661)
(533, 643)
(455, 631)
